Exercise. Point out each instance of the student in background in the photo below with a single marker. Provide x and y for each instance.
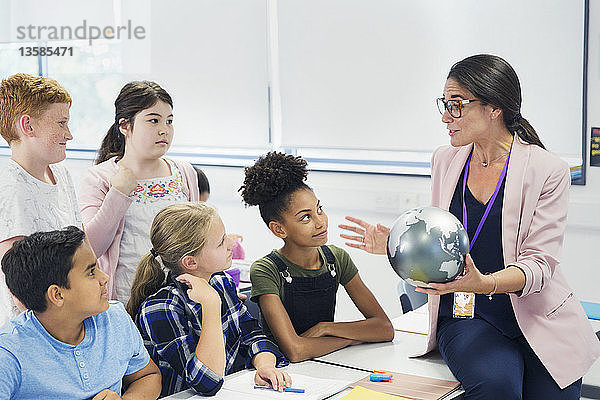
(203, 184)
(193, 324)
(71, 343)
(296, 285)
(132, 181)
(37, 193)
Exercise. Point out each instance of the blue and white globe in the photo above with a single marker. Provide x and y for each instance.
(427, 244)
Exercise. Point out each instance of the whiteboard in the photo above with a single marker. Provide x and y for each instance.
(210, 55)
(355, 81)
(365, 74)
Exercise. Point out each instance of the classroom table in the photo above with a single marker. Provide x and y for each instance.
(392, 356)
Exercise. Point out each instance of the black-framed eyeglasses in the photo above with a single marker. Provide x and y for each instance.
(454, 106)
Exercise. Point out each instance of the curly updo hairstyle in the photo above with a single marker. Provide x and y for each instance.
(271, 181)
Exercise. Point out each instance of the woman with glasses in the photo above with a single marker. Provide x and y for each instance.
(527, 335)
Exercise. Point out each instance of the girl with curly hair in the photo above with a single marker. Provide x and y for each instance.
(296, 285)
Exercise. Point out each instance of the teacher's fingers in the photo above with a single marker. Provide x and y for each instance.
(352, 228)
(357, 221)
(353, 237)
(438, 288)
(356, 245)
(432, 291)
(426, 290)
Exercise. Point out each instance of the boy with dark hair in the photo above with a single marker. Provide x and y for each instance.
(70, 328)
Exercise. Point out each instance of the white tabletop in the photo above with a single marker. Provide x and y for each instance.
(392, 356)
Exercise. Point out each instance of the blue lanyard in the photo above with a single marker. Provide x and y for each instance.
(490, 203)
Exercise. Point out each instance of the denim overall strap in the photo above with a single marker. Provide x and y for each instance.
(308, 300)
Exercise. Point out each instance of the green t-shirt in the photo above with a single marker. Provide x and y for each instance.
(266, 278)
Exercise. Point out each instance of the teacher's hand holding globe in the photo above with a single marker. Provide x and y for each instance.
(427, 244)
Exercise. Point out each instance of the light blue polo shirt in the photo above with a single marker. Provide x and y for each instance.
(34, 365)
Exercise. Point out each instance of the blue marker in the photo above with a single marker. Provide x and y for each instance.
(379, 377)
(287, 389)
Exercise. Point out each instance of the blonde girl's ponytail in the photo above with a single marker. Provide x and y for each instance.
(149, 277)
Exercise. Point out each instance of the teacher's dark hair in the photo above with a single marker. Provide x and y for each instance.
(492, 80)
(135, 96)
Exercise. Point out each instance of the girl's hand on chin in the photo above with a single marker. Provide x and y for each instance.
(199, 290)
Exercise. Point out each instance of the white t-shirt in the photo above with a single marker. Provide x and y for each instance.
(28, 205)
(150, 196)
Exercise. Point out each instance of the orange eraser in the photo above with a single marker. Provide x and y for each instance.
(382, 372)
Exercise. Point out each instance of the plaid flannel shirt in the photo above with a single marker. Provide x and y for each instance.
(170, 324)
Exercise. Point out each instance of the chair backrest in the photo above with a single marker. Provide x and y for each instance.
(405, 303)
(409, 298)
(252, 307)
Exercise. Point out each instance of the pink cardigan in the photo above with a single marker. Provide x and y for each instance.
(534, 215)
(103, 211)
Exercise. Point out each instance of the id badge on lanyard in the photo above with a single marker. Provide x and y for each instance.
(463, 305)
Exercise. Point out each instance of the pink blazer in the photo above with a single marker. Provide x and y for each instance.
(534, 216)
(103, 211)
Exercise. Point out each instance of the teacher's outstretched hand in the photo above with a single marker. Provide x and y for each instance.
(370, 238)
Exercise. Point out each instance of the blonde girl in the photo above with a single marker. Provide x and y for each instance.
(192, 322)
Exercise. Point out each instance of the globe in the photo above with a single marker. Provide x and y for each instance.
(427, 244)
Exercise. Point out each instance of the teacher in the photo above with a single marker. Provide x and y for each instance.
(524, 334)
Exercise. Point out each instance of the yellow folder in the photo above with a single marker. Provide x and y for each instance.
(360, 393)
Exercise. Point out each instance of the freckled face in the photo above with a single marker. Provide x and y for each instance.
(51, 133)
(305, 222)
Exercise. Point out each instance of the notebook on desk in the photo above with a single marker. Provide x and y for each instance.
(411, 386)
(241, 386)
